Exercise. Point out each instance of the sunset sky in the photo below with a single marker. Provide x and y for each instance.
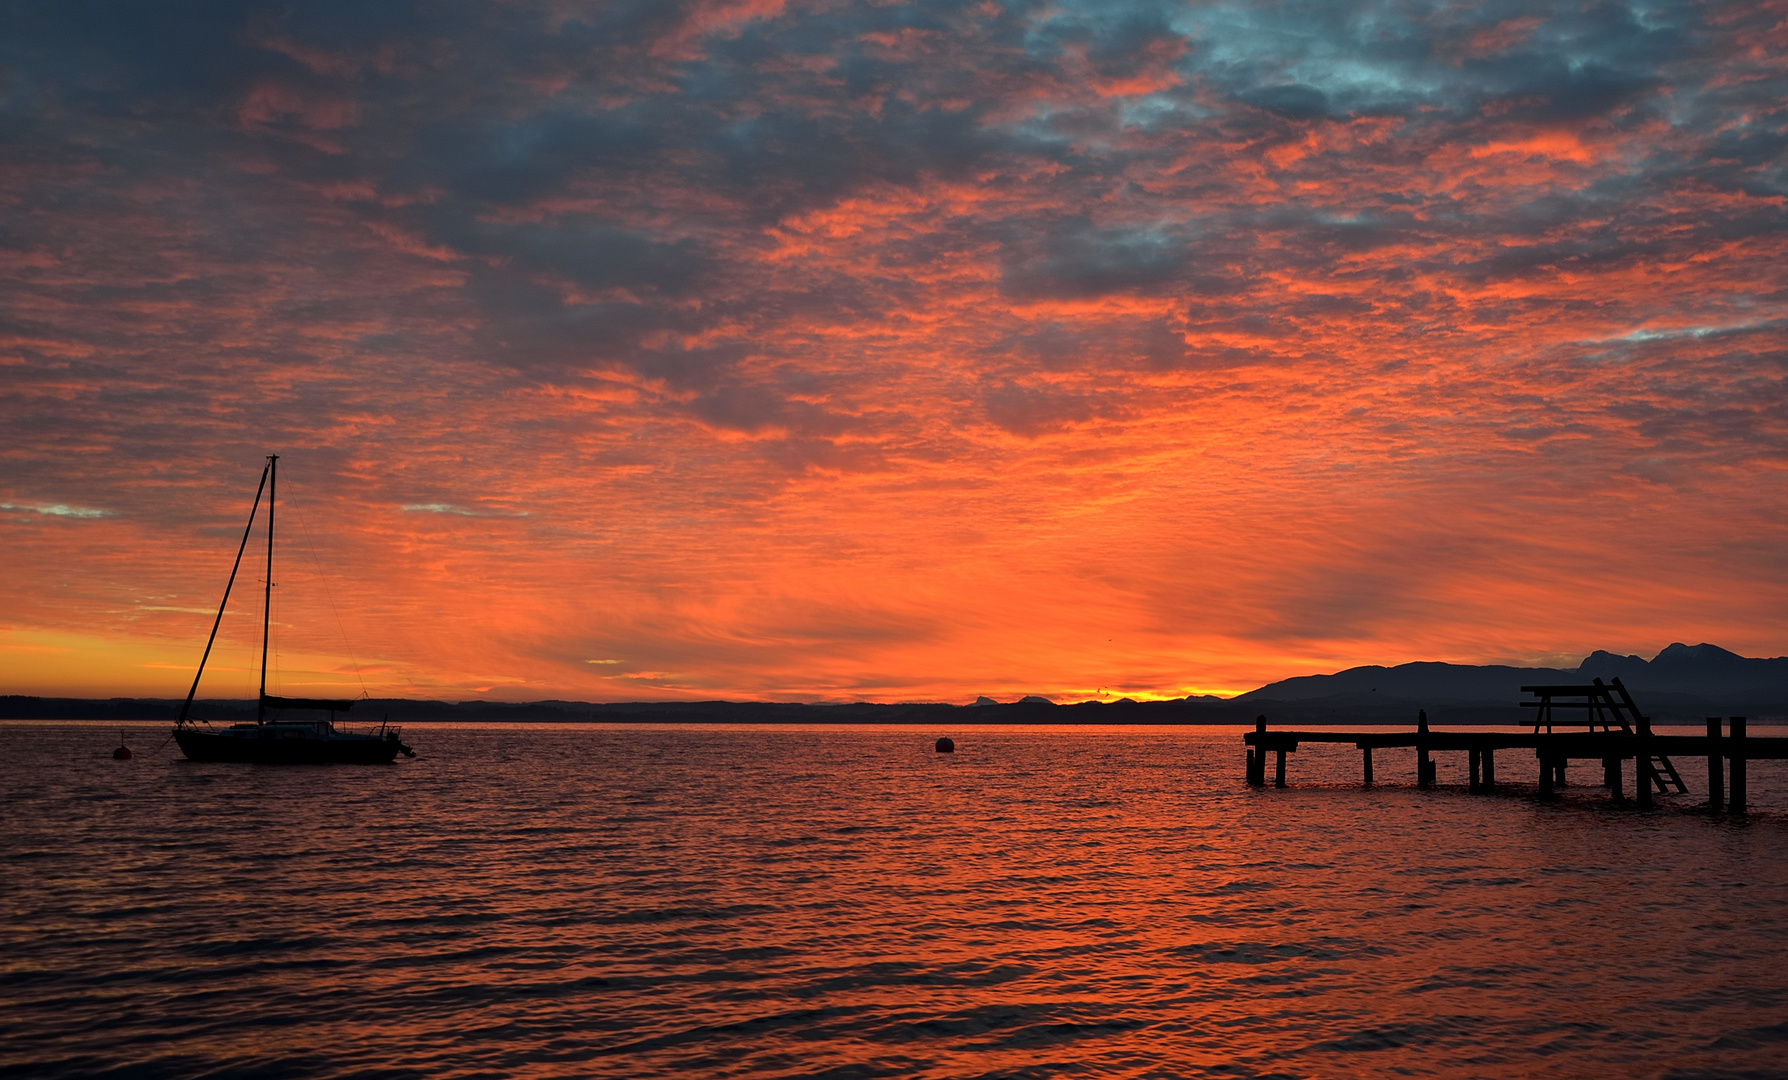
(874, 351)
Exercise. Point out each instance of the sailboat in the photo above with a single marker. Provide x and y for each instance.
(278, 741)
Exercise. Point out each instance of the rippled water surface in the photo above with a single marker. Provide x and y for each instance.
(842, 902)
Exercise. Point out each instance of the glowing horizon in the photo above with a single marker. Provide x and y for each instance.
(851, 352)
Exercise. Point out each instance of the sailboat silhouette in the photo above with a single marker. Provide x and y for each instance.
(277, 741)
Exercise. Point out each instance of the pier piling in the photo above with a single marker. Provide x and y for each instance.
(1424, 764)
(1716, 767)
(1257, 754)
(1279, 770)
(1644, 776)
(1488, 781)
(1736, 753)
(1546, 767)
(1472, 773)
(1366, 762)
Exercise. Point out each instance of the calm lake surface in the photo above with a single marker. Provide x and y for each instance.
(842, 902)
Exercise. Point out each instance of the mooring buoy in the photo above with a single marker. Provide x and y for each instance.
(946, 745)
(122, 753)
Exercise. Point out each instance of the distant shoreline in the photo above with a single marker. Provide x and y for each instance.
(1756, 722)
(1192, 712)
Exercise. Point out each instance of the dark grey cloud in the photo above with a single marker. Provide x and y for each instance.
(1293, 100)
(1075, 258)
(612, 151)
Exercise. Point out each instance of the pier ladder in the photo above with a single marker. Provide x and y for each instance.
(1605, 707)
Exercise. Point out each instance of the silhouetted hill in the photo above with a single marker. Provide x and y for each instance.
(1683, 682)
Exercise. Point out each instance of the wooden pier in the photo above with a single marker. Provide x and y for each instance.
(1610, 732)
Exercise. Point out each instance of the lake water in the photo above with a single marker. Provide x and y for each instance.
(842, 902)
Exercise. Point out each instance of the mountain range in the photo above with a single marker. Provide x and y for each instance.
(1682, 682)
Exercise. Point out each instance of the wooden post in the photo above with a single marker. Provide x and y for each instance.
(1643, 779)
(1735, 791)
(1611, 774)
(1279, 771)
(1716, 767)
(1545, 776)
(1471, 770)
(1257, 757)
(1488, 782)
(1424, 766)
(1366, 760)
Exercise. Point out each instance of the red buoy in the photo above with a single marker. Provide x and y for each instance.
(122, 753)
(946, 745)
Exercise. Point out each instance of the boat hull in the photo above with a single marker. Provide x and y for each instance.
(272, 747)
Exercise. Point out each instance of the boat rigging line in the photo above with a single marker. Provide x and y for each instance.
(267, 607)
(266, 472)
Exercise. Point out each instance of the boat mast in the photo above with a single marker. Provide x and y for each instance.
(246, 529)
(267, 604)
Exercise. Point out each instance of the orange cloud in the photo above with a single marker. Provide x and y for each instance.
(819, 354)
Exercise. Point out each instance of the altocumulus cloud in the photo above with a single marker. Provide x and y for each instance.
(61, 510)
(783, 316)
